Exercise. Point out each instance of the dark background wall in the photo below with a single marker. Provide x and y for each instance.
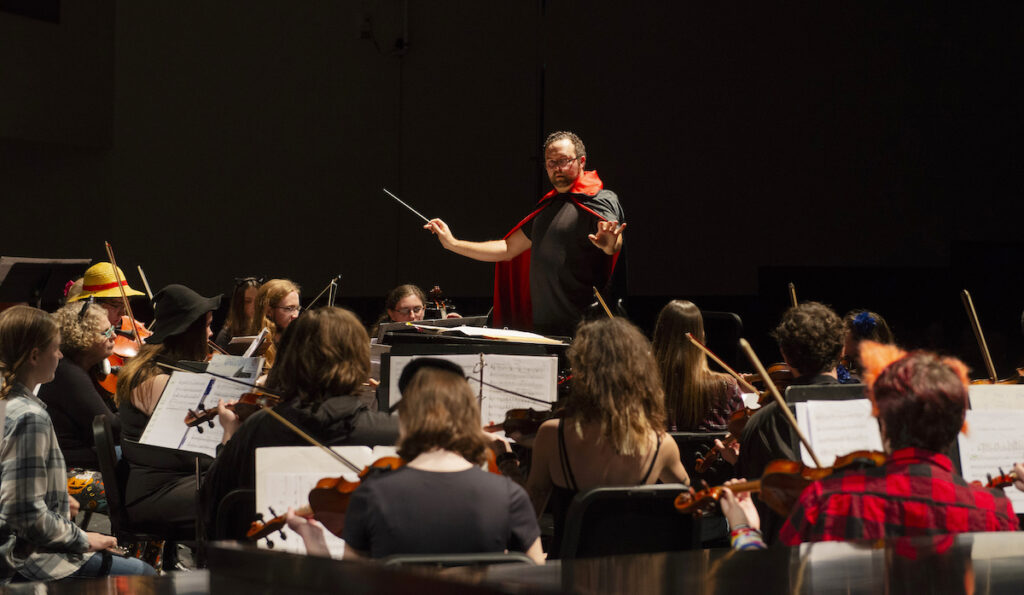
(868, 152)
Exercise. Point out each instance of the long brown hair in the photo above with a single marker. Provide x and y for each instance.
(616, 383)
(22, 329)
(691, 388)
(270, 295)
(237, 321)
(323, 353)
(438, 411)
(188, 345)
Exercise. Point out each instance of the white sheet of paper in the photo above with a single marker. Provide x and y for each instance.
(286, 474)
(492, 333)
(185, 391)
(996, 396)
(532, 375)
(837, 428)
(995, 440)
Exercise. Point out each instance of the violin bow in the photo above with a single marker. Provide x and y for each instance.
(972, 315)
(778, 399)
(603, 305)
(746, 385)
(145, 282)
(124, 295)
(792, 295)
(270, 410)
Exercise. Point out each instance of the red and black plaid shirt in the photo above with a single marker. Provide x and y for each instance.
(915, 493)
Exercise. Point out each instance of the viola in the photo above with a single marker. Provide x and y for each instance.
(328, 501)
(245, 406)
(781, 484)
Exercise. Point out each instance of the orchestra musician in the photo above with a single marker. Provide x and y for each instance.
(440, 501)
(920, 400)
(810, 338)
(241, 311)
(162, 494)
(100, 283)
(405, 303)
(38, 540)
(860, 325)
(574, 237)
(323, 360)
(613, 430)
(277, 303)
(72, 398)
(696, 399)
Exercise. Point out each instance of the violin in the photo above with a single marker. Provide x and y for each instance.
(737, 421)
(126, 346)
(328, 501)
(443, 305)
(781, 375)
(1003, 480)
(245, 406)
(523, 421)
(781, 484)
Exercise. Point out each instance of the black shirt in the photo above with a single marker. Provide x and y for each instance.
(564, 265)
(411, 511)
(342, 420)
(73, 402)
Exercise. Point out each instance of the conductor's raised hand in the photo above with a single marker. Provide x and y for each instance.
(608, 237)
(441, 230)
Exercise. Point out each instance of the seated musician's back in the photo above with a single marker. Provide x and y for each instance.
(920, 402)
(613, 432)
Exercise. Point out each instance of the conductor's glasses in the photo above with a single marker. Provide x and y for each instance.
(560, 163)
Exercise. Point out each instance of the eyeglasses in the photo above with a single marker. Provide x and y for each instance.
(288, 309)
(109, 332)
(560, 163)
(408, 311)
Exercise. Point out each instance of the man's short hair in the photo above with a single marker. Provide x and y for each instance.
(581, 151)
(921, 398)
(810, 337)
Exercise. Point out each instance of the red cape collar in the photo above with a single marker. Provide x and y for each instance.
(588, 183)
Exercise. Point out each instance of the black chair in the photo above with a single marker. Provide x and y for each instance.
(628, 520)
(450, 560)
(115, 477)
(238, 503)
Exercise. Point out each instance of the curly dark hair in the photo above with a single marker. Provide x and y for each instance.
(577, 143)
(810, 337)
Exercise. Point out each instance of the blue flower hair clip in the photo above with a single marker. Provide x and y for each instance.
(865, 323)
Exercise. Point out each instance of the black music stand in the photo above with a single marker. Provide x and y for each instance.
(38, 281)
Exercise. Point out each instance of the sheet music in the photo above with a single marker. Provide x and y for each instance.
(996, 396)
(995, 440)
(532, 375)
(286, 474)
(837, 428)
(185, 391)
(491, 333)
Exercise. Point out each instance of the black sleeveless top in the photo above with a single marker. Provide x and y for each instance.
(561, 498)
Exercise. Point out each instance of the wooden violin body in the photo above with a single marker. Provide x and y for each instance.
(245, 406)
(781, 484)
(328, 501)
(125, 347)
(522, 421)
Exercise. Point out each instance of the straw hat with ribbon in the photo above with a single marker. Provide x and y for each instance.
(100, 282)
